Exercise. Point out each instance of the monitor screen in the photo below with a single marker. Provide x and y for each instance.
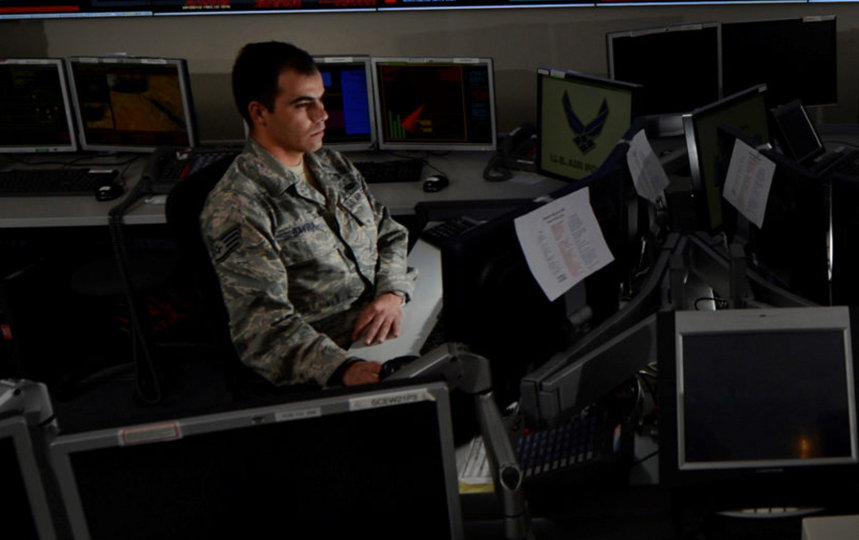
(580, 119)
(677, 65)
(757, 392)
(371, 462)
(348, 101)
(24, 513)
(795, 132)
(795, 58)
(35, 110)
(744, 111)
(132, 104)
(440, 104)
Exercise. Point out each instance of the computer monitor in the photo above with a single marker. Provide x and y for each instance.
(376, 461)
(25, 513)
(796, 220)
(795, 58)
(435, 104)
(677, 65)
(126, 104)
(745, 111)
(348, 100)
(35, 109)
(758, 406)
(493, 304)
(580, 119)
(795, 132)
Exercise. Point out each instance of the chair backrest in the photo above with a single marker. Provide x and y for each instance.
(184, 205)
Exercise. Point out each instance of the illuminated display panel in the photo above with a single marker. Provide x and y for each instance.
(95, 8)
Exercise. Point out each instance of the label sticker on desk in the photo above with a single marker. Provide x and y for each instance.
(391, 398)
(300, 414)
(150, 434)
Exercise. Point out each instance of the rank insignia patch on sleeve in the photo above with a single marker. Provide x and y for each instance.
(226, 243)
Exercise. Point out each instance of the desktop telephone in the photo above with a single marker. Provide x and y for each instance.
(515, 151)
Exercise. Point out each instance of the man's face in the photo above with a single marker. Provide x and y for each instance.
(296, 125)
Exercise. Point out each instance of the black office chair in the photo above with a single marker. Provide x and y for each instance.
(184, 205)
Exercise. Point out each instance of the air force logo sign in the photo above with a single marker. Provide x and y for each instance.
(585, 134)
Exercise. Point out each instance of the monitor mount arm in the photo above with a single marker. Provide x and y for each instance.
(471, 374)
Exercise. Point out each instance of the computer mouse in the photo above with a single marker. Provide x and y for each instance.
(109, 192)
(436, 182)
(394, 364)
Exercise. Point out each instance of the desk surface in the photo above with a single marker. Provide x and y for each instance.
(465, 170)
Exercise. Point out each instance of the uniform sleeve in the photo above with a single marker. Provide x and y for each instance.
(392, 271)
(270, 336)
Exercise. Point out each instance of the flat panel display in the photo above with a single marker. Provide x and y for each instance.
(795, 58)
(348, 100)
(744, 111)
(35, 109)
(438, 104)
(373, 462)
(580, 119)
(132, 104)
(678, 66)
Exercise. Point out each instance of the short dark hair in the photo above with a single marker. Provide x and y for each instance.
(257, 69)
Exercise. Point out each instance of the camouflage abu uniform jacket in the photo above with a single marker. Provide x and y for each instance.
(295, 267)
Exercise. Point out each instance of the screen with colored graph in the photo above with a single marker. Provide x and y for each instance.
(436, 104)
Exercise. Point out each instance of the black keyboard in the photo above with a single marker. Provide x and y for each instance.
(396, 170)
(440, 233)
(597, 442)
(53, 182)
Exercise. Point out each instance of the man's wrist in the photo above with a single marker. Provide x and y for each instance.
(404, 298)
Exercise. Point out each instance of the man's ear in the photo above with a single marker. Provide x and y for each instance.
(256, 110)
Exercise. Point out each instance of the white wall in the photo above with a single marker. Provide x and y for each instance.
(520, 40)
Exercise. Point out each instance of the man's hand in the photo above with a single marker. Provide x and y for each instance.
(380, 320)
(362, 373)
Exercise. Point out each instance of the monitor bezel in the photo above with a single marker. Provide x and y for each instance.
(365, 60)
(184, 79)
(779, 113)
(385, 144)
(17, 428)
(64, 85)
(566, 74)
(309, 406)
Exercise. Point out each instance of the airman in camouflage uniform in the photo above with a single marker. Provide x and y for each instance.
(301, 253)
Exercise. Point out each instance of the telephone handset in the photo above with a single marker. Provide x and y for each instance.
(515, 151)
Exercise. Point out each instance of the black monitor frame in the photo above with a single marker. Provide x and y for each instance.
(796, 58)
(655, 58)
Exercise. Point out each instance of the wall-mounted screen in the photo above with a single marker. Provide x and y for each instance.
(438, 104)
